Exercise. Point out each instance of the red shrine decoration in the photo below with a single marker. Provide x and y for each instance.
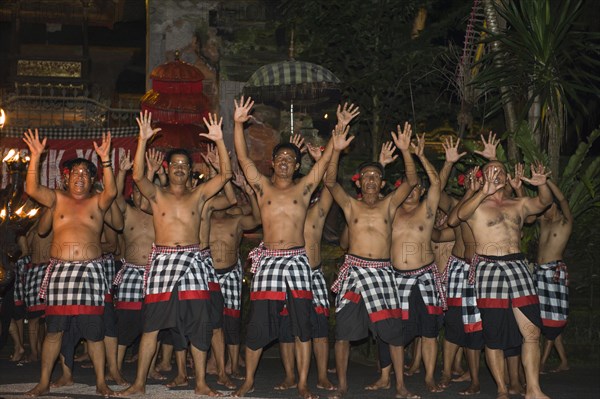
(176, 96)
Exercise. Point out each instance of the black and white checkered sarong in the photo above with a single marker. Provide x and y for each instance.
(455, 272)
(279, 271)
(320, 291)
(230, 281)
(374, 284)
(34, 275)
(184, 267)
(427, 282)
(129, 283)
(553, 291)
(470, 312)
(74, 288)
(20, 271)
(109, 269)
(504, 280)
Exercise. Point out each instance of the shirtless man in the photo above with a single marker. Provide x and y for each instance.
(418, 281)
(178, 284)
(282, 274)
(556, 224)
(226, 230)
(366, 296)
(313, 232)
(77, 221)
(502, 277)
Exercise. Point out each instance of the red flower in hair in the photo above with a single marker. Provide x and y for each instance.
(356, 177)
(322, 148)
(398, 183)
(479, 174)
(359, 195)
(461, 180)
(65, 171)
(165, 164)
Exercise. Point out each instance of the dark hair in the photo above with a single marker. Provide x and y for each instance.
(71, 163)
(371, 164)
(178, 151)
(290, 146)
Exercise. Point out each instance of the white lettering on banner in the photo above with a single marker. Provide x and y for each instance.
(55, 159)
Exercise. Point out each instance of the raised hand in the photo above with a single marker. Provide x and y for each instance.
(215, 133)
(103, 150)
(36, 147)
(419, 149)
(491, 183)
(489, 147)
(298, 141)
(340, 138)
(386, 155)
(451, 150)
(403, 137)
(538, 175)
(314, 151)
(145, 124)
(473, 183)
(211, 157)
(154, 160)
(516, 181)
(242, 109)
(346, 113)
(125, 163)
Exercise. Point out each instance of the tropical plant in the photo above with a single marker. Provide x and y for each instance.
(546, 65)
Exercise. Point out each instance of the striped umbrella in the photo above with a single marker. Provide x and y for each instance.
(293, 81)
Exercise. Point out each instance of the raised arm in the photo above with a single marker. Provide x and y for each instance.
(212, 160)
(452, 156)
(386, 155)
(240, 116)
(339, 143)
(515, 182)
(253, 220)
(154, 165)
(215, 133)
(146, 187)
(472, 186)
(402, 142)
(562, 201)
(125, 165)
(538, 178)
(107, 196)
(33, 188)
(326, 199)
(433, 193)
(469, 206)
(44, 225)
(489, 147)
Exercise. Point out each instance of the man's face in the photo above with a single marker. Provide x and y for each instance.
(415, 193)
(496, 167)
(179, 168)
(371, 180)
(80, 179)
(284, 162)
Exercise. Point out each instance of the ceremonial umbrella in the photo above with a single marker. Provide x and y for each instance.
(294, 82)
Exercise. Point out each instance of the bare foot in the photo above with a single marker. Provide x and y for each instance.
(206, 391)
(516, 390)
(458, 372)
(178, 381)
(562, 367)
(502, 396)
(82, 358)
(117, 378)
(87, 365)
(131, 359)
(381, 383)
(104, 390)
(325, 384)
(471, 390)
(536, 395)
(211, 368)
(332, 370)
(132, 391)
(403, 393)
(38, 390)
(431, 386)
(163, 367)
(243, 390)
(155, 375)
(466, 376)
(237, 375)
(33, 358)
(338, 394)
(445, 381)
(286, 384)
(18, 355)
(306, 394)
(226, 382)
(62, 382)
(412, 371)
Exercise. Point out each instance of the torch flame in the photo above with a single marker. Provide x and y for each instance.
(3, 213)
(19, 211)
(10, 154)
(33, 212)
(2, 118)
